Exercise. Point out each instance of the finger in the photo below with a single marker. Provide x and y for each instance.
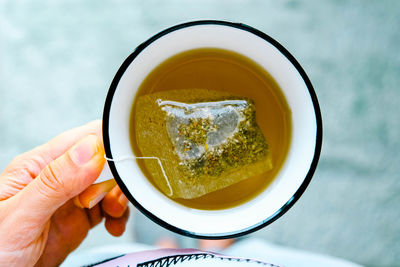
(95, 215)
(64, 141)
(69, 227)
(116, 226)
(62, 179)
(94, 194)
(115, 203)
(32, 162)
(25, 167)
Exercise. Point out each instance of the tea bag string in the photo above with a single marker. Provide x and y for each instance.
(123, 158)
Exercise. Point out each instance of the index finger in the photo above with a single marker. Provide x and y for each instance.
(32, 162)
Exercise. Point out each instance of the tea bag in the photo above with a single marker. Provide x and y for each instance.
(206, 140)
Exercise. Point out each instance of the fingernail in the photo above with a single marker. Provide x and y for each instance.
(96, 200)
(84, 150)
(123, 200)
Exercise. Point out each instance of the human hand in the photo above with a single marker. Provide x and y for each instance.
(39, 223)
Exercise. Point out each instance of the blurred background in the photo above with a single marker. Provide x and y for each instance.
(57, 60)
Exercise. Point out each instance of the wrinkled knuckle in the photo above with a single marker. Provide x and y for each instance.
(28, 163)
(34, 164)
(51, 179)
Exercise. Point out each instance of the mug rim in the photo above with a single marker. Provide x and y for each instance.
(284, 52)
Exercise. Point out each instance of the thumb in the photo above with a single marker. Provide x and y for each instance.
(63, 179)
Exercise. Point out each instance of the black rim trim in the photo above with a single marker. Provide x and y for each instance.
(299, 191)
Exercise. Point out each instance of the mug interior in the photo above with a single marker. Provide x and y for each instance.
(304, 147)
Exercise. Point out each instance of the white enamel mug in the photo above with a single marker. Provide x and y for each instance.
(306, 137)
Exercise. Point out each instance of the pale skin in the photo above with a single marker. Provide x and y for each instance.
(45, 196)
